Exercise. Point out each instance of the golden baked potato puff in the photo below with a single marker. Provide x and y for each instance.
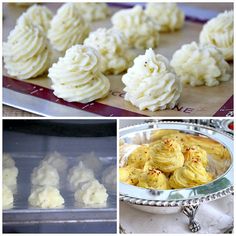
(181, 138)
(166, 155)
(129, 175)
(195, 152)
(159, 134)
(210, 146)
(191, 174)
(139, 157)
(153, 179)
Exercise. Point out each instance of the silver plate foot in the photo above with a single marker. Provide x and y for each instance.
(190, 212)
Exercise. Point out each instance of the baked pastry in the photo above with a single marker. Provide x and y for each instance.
(140, 31)
(45, 175)
(76, 77)
(113, 49)
(167, 15)
(57, 161)
(7, 197)
(91, 193)
(68, 28)
(166, 155)
(200, 65)
(219, 32)
(191, 174)
(151, 83)
(109, 178)
(7, 161)
(78, 175)
(26, 53)
(39, 16)
(46, 197)
(93, 11)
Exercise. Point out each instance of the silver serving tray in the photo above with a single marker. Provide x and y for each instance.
(186, 200)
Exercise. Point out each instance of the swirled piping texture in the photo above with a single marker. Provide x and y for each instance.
(113, 49)
(166, 155)
(40, 16)
(191, 174)
(151, 83)
(140, 31)
(200, 65)
(93, 11)
(167, 15)
(76, 77)
(67, 28)
(219, 32)
(27, 53)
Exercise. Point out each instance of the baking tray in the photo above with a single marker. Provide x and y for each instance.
(28, 148)
(35, 95)
(22, 213)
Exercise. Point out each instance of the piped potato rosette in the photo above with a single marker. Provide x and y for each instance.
(171, 159)
(76, 77)
(166, 155)
(191, 174)
(26, 53)
(67, 28)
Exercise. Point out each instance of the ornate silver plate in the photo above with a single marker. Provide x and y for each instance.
(186, 200)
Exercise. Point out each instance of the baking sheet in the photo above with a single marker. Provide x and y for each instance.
(23, 212)
(195, 101)
(28, 148)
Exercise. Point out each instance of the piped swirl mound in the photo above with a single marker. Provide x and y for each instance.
(139, 29)
(219, 32)
(166, 155)
(191, 174)
(67, 28)
(167, 15)
(26, 53)
(113, 49)
(152, 83)
(93, 11)
(40, 16)
(200, 65)
(76, 77)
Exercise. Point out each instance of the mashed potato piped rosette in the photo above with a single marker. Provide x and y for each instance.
(46, 197)
(153, 179)
(139, 157)
(26, 53)
(166, 155)
(113, 49)
(196, 153)
(76, 77)
(67, 28)
(200, 65)
(191, 174)
(219, 32)
(40, 16)
(140, 31)
(167, 15)
(151, 83)
(93, 11)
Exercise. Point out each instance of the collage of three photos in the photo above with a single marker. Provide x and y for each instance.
(117, 117)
